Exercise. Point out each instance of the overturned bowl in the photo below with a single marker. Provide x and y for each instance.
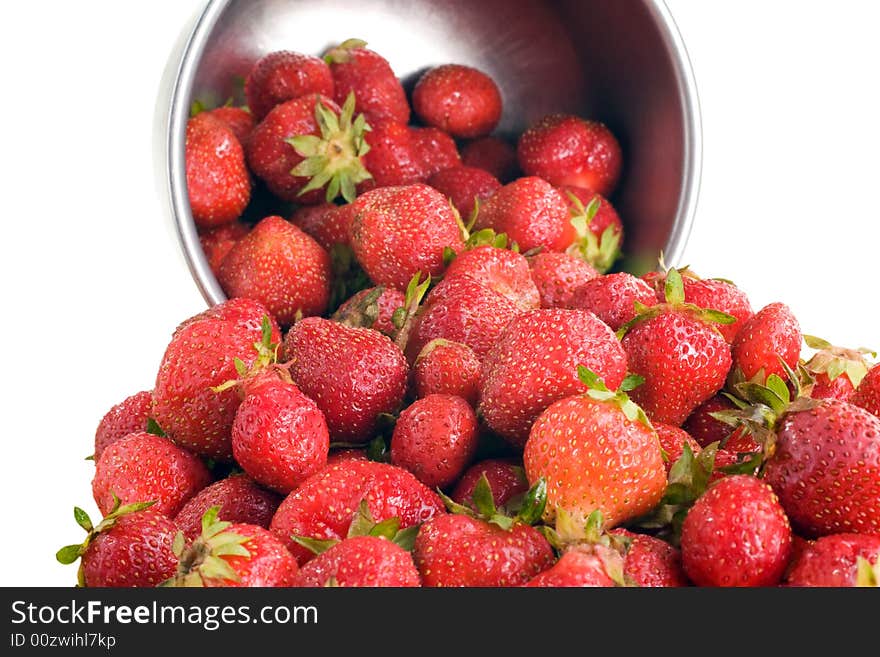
(621, 62)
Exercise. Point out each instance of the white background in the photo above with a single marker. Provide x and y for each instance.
(93, 282)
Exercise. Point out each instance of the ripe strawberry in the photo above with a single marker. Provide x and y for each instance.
(217, 242)
(834, 560)
(558, 276)
(352, 374)
(435, 438)
(142, 467)
(580, 566)
(326, 223)
(348, 454)
(704, 428)
(596, 451)
(465, 186)
(505, 477)
(569, 150)
(434, 150)
(360, 561)
(771, 334)
(397, 232)
(532, 213)
(506, 272)
(130, 547)
(284, 75)
(651, 562)
(447, 367)
(599, 227)
(390, 299)
(736, 535)
(369, 76)
(216, 175)
(238, 119)
(392, 159)
(459, 99)
(128, 416)
(493, 155)
(308, 150)
(867, 394)
(244, 314)
(279, 437)
(281, 267)
(836, 371)
(672, 441)
(612, 298)
(239, 499)
(326, 504)
(534, 363)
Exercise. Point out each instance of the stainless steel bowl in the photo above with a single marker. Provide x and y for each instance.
(621, 61)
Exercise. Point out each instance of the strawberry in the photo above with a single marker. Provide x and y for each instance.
(435, 438)
(867, 394)
(239, 499)
(232, 554)
(279, 437)
(596, 451)
(360, 561)
(534, 363)
(531, 212)
(506, 272)
(557, 277)
(580, 566)
(347, 454)
(280, 266)
(836, 371)
(651, 562)
(128, 416)
(506, 480)
(672, 442)
(835, 560)
(676, 348)
(202, 355)
(130, 547)
(569, 150)
(397, 232)
(217, 242)
(736, 535)
(458, 99)
(144, 467)
(771, 335)
(447, 367)
(612, 298)
(238, 119)
(465, 186)
(493, 155)
(352, 374)
(326, 223)
(704, 428)
(392, 159)
(599, 227)
(308, 150)
(388, 301)
(368, 75)
(217, 179)
(326, 504)
(284, 75)
(434, 150)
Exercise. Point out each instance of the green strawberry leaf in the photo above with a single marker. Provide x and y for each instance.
(533, 503)
(314, 545)
(482, 497)
(674, 287)
(82, 519)
(69, 553)
(631, 382)
(154, 428)
(816, 343)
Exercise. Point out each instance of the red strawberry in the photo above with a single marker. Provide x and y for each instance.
(493, 155)
(465, 186)
(600, 229)
(308, 150)
(392, 159)
(216, 175)
(390, 299)
(217, 242)
(568, 150)
(836, 371)
(281, 267)
(506, 272)
(238, 119)
(612, 298)
(704, 428)
(532, 213)
(672, 441)
(736, 534)
(279, 437)
(596, 451)
(378, 91)
(352, 374)
(142, 467)
(771, 334)
(360, 561)
(283, 75)
(239, 499)
(397, 232)
(326, 223)
(349, 454)
(130, 547)
(128, 416)
(447, 367)
(325, 505)
(459, 99)
(534, 363)
(834, 560)
(580, 566)
(434, 150)
(505, 477)
(558, 276)
(651, 562)
(435, 438)
(867, 395)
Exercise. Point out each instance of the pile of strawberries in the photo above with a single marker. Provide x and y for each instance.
(424, 377)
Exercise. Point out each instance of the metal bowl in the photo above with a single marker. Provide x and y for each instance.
(620, 61)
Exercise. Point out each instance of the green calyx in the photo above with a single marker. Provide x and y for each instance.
(525, 509)
(867, 574)
(267, 356)
(836, 361)
(204, 558)
(342, 53)
(333, 159)
(362, 314)
(601, 251)
(596, 389)
(70, 553)
(402, 318)
(363, 524)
